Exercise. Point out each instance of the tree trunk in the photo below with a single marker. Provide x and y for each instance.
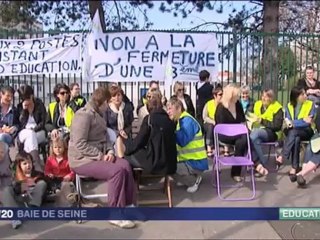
(93, 6)
(270, 76)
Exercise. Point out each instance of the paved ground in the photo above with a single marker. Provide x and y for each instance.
(274, 191)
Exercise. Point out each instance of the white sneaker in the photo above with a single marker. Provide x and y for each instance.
(123, 223)
(195, 187)
(131, 206)
(16, 223)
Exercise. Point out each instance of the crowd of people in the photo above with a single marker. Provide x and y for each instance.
(95, 138)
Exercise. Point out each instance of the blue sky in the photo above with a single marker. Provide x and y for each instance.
(168, 21)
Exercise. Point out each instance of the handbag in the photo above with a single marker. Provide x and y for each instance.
(315, 143)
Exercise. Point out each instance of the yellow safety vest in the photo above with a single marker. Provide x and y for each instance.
(271, 110)
(211, 108)
(68, 117)
(79, 101)
(194, 150)
(144, 101)
(304, 111)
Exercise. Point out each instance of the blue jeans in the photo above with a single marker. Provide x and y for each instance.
(6, 138)
(257, 137)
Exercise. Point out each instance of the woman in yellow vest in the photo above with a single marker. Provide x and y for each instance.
(299, 115)
(208, 113)
(267, 126)
(192, 156)
(60, 115)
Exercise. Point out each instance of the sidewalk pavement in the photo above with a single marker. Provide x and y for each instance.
(276, 190)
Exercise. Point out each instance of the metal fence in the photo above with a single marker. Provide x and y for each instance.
(242, 61)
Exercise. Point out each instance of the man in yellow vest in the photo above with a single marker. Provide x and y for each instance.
(192, 157)
(268, 115)
(76, 100)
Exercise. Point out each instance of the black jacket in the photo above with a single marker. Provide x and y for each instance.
(302, 83)
(190, 108)
(204, 94)
(149, 139)
(39, 114)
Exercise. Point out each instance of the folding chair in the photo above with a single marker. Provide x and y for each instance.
(232, 130)
(82, 195)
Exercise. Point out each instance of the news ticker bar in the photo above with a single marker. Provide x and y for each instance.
(159, 214)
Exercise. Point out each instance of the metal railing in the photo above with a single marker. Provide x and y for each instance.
(242, 61)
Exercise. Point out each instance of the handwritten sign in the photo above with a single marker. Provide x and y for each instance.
(144, 56)
(56, 54)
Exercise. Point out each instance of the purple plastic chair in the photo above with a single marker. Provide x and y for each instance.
(245, 161)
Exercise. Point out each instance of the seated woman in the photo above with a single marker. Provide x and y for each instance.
(230, 111)
(299, 115)
(119, 115)
(28, 188)
(91, 155)
(208, 114)
(60, 115)
(9, 117)
(267, 124)
(192, 157)
(179, 92)
(245, 100)
(154, 148)
(312, 156)
(311, 85)
(33, 116)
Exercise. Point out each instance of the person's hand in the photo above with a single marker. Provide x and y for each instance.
(25, 105)
(109, 157)
(30, 182)
(308, 119)
(54, 134)
(310, 91)
(123, 134)
(7, 129)
(67, 179)
(50, 175)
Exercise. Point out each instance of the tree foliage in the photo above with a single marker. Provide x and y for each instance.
(63, 15)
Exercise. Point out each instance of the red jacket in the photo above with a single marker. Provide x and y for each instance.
(61, 169)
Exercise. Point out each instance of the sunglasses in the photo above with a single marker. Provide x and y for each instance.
(180, 90)
(63, 93)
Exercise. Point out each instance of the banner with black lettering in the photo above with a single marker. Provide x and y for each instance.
(56, 54)
(146, 56)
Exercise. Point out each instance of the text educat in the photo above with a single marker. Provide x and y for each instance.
(56, 54)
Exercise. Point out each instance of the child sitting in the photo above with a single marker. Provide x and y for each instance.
(28, 187)
(58, 173)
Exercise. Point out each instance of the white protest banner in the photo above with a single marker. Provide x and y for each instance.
(143, 56)
(56, 54)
